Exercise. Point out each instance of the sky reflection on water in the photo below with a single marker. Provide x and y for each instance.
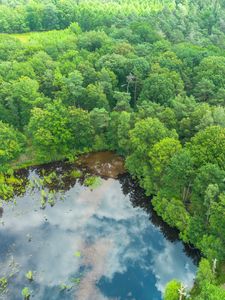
(124, 255)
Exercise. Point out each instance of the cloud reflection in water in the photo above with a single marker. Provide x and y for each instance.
(123, 255)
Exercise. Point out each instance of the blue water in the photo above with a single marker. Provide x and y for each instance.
(99, 244)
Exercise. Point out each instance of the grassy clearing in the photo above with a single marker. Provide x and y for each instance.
(23, 37)
(26, 37)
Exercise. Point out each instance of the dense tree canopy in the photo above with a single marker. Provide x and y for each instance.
(57, 130)
(11, 143)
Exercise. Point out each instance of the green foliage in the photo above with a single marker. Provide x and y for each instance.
(3, 285)
(211, 292)
(75, 280)
(92, 182)
(118, 132)
(142, 78)
(205, 273)
(94, 98)
(71, 88)
(8, 185)
(42, 15)
(173, 212)
(77, 254)
(26, 293)
(122, 101)
(92, 40)
(22, 94)
(64, 287)
(161, 86)
(76, 173)
(171, 292)
(11, 144)
(100, 120)
(208, 146)
(29, 276)
(159, 157)
(146, 133)
(58, 130)
(210, 79)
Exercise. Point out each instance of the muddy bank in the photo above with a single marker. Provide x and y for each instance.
(105, 164)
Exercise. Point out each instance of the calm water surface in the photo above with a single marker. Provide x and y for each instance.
(104, 243)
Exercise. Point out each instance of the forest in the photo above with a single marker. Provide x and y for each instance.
(145, 79)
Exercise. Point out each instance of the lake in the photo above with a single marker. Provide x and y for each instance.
(87, 243)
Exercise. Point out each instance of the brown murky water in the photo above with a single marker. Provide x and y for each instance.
(106, 164)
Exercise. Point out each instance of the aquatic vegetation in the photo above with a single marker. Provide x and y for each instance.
(43, 179)
(40, 182)
(48, 179)
(29, 276)
(6, 191)
(92, 182)
(43, 199)
(9, 184)
(48, 197)
(13, 180)
(75, 280)
(26, 293)
(65, 287)
(51, 199)
(3, 285)
(36, 182)
(77, 254)
(76, 173)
